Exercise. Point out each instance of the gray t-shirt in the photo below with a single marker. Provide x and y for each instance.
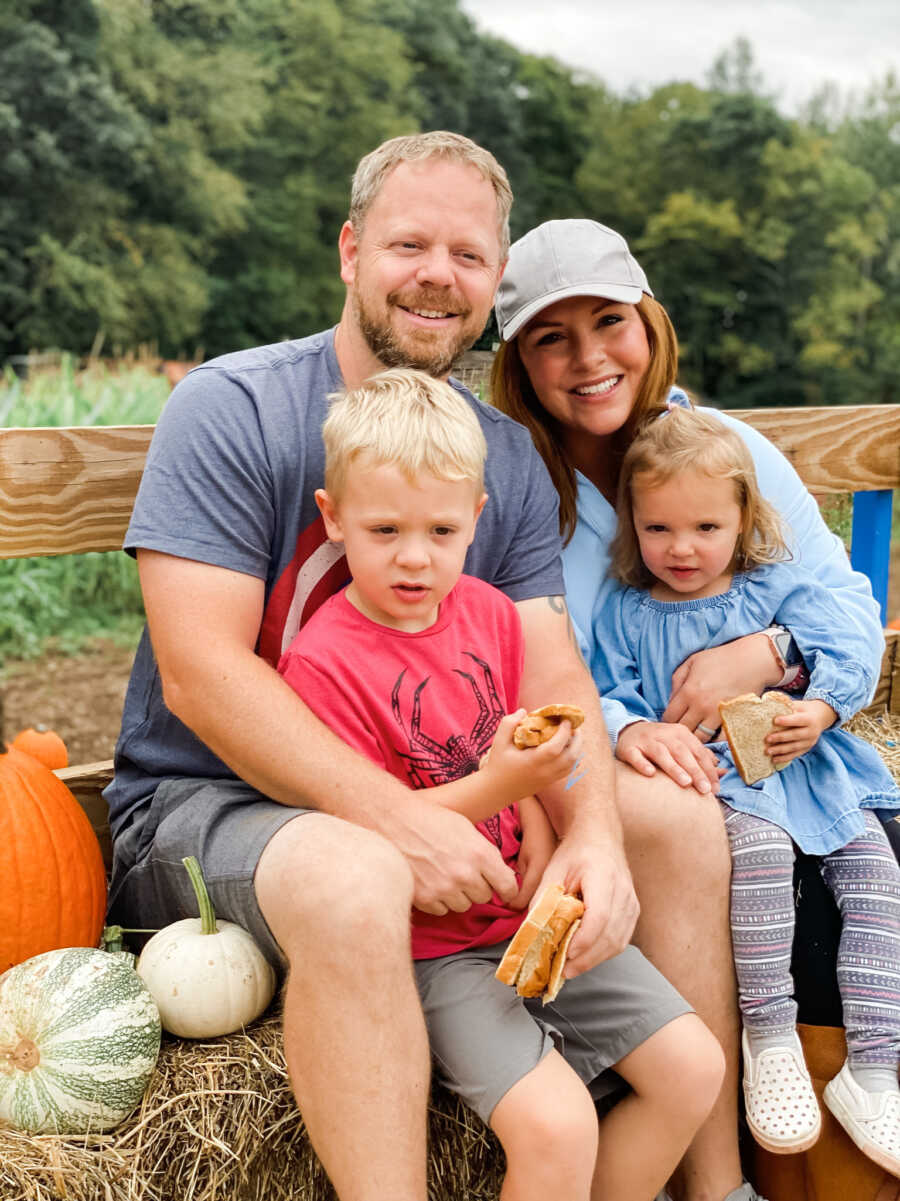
(230, 480)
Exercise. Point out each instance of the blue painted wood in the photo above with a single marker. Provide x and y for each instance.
(870, 541)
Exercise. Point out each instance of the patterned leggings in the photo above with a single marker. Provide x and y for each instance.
(864, 879)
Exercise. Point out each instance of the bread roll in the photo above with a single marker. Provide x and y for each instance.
(534, 960)
(541, 724)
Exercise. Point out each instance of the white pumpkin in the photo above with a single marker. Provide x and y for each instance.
(207, 978)
(79, 1037)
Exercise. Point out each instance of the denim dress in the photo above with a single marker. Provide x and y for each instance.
(817, 798)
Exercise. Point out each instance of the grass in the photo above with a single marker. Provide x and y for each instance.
(67, 600)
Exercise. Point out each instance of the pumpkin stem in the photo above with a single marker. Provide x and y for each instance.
(111, 938)
(207, 913)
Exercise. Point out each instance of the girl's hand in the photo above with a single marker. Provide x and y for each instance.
(716, 674)
(538, 844)
(646, 745)
(514, 773)
(798, 732)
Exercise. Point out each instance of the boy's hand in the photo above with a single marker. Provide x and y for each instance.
(514, 773)
(798, 732)
(538, 844)
(646, 745)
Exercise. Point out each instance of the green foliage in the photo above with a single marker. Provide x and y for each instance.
(203, 153)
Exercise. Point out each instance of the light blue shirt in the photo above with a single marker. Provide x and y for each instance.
(817, 798)
(586, 558)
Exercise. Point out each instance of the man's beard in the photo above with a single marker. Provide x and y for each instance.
(428, 352)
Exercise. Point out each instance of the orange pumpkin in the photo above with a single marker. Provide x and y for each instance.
(44, 745)
(53, 891)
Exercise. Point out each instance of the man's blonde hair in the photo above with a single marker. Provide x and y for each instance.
(372, 171)
(686, 440)
(406, 418)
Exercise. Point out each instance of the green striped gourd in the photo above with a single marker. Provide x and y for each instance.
(79, 1037)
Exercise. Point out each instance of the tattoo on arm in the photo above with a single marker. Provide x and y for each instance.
(558, 605)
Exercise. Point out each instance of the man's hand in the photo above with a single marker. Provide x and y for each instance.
(717, 674)
(648, 745)
(513, 772)
(798, 732)
(598, 873)
(453, 864)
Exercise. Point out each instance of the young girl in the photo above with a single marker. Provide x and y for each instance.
(705, 562)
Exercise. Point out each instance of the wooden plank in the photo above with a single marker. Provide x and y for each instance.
(839, 449)
(887, 690)
(64, 491)
(87, 783)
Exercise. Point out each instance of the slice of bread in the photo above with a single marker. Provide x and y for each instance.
(746, 720)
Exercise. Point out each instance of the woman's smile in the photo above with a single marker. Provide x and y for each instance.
(586, 358)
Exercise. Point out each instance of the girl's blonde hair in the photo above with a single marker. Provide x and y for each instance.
(409, 419)
(512, 393)
(686, 440)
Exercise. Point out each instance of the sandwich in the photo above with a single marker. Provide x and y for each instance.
(535, 959)
(746, 720)
(542, 724)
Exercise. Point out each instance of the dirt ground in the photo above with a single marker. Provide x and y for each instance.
(81, 696)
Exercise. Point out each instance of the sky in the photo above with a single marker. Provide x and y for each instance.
(798, 44)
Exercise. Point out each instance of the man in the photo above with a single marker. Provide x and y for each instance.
(218, 757)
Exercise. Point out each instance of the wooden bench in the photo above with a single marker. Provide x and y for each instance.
(69, 491)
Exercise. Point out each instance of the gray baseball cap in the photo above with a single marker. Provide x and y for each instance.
(559, 259)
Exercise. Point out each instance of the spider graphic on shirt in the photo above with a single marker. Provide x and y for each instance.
(430, 761)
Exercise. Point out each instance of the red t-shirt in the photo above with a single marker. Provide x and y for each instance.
(425, 706)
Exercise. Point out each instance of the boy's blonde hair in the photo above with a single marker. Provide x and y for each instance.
(374, 169)
(686, 440)
(407, 418)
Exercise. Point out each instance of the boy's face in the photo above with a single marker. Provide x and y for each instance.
(405, 541)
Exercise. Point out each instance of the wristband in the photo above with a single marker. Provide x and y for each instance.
(780, 641)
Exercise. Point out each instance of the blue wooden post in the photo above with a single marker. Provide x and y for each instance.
(870, 541)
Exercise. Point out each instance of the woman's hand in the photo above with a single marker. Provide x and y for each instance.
(538, 844)
(798, 732)
(648, 745)
(718, 674)
(513, 772)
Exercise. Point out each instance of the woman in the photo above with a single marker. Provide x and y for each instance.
(588, 356)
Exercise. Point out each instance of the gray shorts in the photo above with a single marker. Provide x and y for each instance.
(484, 1038)
(227, 825)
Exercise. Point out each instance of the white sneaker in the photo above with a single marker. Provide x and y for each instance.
(746, 1192)
(871, 1119)
(781, 1107)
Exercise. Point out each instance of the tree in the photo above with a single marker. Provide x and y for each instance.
(72, 145)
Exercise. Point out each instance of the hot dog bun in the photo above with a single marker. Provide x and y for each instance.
(534, 960)
(541, 724)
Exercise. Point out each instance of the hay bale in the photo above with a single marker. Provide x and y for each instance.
(219, 1123)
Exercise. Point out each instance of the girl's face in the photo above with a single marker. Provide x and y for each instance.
(688, 530)
(586, 358)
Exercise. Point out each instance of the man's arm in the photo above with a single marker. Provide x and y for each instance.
(590, 858)
(203, 623)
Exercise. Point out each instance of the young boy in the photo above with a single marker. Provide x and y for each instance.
(416, 665)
